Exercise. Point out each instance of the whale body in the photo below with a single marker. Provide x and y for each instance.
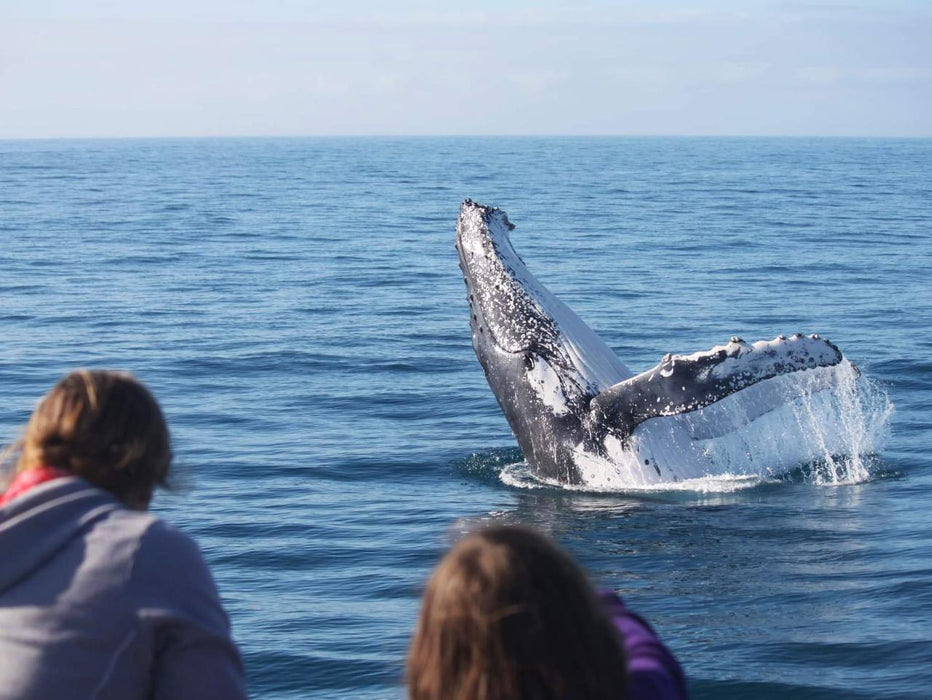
(577, 411)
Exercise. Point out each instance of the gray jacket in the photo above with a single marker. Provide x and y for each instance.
(99, 601)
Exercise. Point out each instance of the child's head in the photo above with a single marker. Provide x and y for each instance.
(507, 615)
(103, 426)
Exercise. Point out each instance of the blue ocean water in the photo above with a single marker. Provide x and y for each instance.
(296, 306)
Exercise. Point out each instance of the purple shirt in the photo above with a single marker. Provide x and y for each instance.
(653, 673)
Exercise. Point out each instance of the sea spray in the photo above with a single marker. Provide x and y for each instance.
(830, 435)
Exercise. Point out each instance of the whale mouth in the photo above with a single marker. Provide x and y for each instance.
(473, 239)
(500, 306)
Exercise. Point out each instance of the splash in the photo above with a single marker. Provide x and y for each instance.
(829, 434)
(832, 434)
(861, 410)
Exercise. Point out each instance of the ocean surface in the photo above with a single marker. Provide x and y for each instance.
(297, 307)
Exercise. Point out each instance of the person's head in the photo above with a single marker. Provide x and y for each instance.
(507, 615)
(103, 426)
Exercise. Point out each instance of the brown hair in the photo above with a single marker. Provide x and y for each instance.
(103, 426)
(507, 615)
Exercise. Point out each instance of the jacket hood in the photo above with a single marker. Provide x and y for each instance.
(37, 524)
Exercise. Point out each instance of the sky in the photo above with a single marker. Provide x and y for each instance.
(123, 68)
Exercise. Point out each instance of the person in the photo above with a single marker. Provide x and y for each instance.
(507, 615)
(98, 598)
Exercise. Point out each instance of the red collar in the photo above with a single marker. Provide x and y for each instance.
(25, 480)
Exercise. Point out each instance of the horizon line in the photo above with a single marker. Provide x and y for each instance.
(180, 137)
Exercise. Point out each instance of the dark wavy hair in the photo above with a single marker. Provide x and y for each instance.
(507, 615)
(104, 426)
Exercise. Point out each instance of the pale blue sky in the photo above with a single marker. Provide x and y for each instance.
(291, 67)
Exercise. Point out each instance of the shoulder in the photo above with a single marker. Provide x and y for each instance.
(653, 671)
(170, 577)
(168, 549)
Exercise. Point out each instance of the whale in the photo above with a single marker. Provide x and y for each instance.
(581, 416)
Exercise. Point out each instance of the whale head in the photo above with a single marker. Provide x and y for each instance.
(542, 362)
(503, 304)
(512, 311)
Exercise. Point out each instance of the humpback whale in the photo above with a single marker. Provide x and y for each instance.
(578, 412)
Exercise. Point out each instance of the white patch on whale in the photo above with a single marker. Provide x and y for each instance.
(546, 382)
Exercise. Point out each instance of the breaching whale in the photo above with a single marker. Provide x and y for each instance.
(578, 412)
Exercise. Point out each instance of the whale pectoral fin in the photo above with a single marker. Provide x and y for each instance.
(620, 408)
(684, 383)
(675, 385)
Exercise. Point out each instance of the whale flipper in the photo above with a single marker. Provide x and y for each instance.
(684, 383)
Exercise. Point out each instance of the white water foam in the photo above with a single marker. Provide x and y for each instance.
(519, 475)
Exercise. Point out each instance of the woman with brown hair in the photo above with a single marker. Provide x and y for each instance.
(98, 598)
(507, 615)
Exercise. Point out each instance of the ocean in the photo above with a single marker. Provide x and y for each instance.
(296, 306)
